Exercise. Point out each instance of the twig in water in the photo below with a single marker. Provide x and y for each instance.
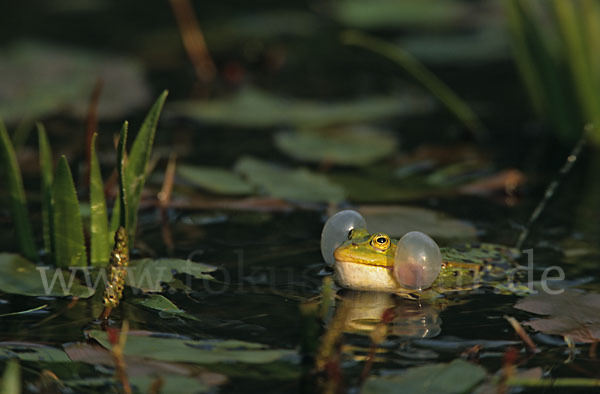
(164, 198)
(571, 159)
(521, 332)
(91, 127)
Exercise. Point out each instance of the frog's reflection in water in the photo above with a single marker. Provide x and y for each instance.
(361, 312)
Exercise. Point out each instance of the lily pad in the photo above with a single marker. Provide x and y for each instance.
(456, 377)
(357, 145)
(32, 352)
(162, 347)
(163, 305)
(216, 180)
(252, 107)
(572, 313)
(149, 274)
(38, 79)
(399, 220)
(21, 276)
(290, 184)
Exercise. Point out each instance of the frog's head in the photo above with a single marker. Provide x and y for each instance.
(369, 249)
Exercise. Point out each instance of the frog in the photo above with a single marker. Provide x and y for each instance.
(365, 261)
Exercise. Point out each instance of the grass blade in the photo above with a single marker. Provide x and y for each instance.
(99, 246)
(46, 170)
(11, 379)
(121, 168)
(135, 171)
(69, 246)
(16, 194)
(412, 66)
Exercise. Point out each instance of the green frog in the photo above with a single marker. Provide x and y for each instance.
(366, 262)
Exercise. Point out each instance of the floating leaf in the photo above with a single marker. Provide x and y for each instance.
(135, 170)
(20, 276)
(99, 245)
(216, 180)
(11, 378)
(353, 146)
(456, 377)
(255, 108)
(399, 220)
(163, 305)
(32, 352)
(148, 274)
(291, 184)
(573, 313)
(162, 347)
(16, 193)
(69, 246)
(46, 172)
(39, 79)
(395, 14)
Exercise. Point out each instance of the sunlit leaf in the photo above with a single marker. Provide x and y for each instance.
(149, 274)
(135, 170)
(13, 182)
(20, 276)
(255, 108)
(161, 347)
(163, 305)
(398, 220)
(353, 146)
(99, 245)
(39, 79)
(216, 180)
(69, 246)
(291, 184)
(456, 377)
(571, 313)
(11, 378)
(47, 173)
(32, 352)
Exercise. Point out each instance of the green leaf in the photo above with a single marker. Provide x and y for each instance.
(99, 245)
(456, 377)
(21, 276)
(355, 146)
(148, 274)
(16, 193)
(292, 184)
(252, 107)
(135, 171)
(216, 180)
(32, 352)
(69, 247)
(192, 351)
(124, 186)
(11, 379)
(163, 305)
(46, 171)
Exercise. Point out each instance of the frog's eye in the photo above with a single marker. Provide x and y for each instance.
(418, 261)
(338, 229)
(380, 241)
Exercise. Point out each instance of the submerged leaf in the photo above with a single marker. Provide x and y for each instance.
(69, 246)
(46, 172)
(399, 220)
(149, 274)
(456, 377)
(20, 276)
(99, 245)
(291, 184)
(161, 347)
(135, 170)
(573, 314)
(216, 180)
(32, 352)
(255, 108)
(13, 182)
(347, 146)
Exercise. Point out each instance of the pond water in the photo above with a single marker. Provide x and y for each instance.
(270, 271)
